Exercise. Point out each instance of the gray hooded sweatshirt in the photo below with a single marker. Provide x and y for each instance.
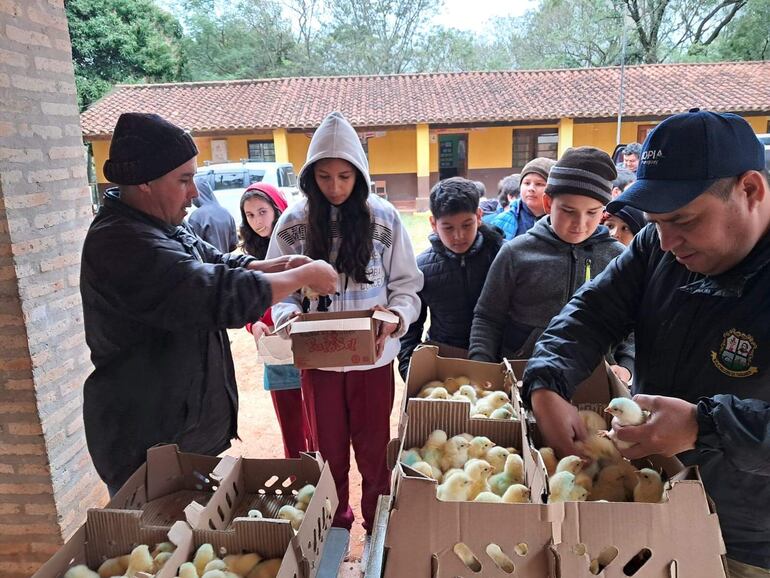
(531, 279)
(396, 280)
(211, 221)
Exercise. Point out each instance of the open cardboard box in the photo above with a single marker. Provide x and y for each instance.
(91, 546)
(422, 530)
(334, 339)
(678, 538)
(266, 485)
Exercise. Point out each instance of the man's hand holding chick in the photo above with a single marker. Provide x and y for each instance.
(672, 428)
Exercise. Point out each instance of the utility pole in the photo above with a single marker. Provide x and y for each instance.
(622, 74)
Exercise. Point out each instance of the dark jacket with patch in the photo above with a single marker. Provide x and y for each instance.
(702, 339)
(453, 284)
(531, 279)
(156, 303)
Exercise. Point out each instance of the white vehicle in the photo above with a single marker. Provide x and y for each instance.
(231, 179)
(765, 140)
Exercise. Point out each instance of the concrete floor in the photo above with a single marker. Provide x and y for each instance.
(261, 438)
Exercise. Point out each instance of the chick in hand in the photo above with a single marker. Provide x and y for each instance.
(513, 473)
(649, 489)
(455, 489)
(455, 453)
(626, 412)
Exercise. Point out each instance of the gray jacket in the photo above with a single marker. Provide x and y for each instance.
(531, 279)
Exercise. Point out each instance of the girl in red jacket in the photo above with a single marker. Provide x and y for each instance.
(261, 205)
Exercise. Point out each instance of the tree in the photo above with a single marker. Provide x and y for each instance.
(746, 37)
(121, 41)
(244, 39)
(375, 36)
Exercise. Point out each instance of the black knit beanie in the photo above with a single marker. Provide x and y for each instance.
(631, 216)
(144, 147)
(585, 171)
(540, 166)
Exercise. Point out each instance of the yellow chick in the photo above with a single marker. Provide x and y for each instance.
(630, 478)
(649, 489)
(491, 402)
(549, 459)
(266, 569)
(463, 380)
(431, 452)
(600, 449)
(112, 567)
(428, 387)
(480, 416)
(242, 564)
(452, 385)
(609, 485)
(578, 493)
(140, 561)
(427, 470)
(215, 574)
(561, 486)
(466, 393)
(455, 453)
(187, 570)
(498, 557)
(305, 494)
(162, 547)
(496, 457)
(513, 473)
(80, 571)
(215, 564)
(292, 514)
(585, 481)
(479, 446)
(594, 422)
(254, 514)
(478, 471)
(487, 497)
(501, 413)
(516, 494)
(439, 393)
(409, 457)
(455, 489)
(203, 556)
(573, 464)
(449, 473)
(626, 412)
(160, 560)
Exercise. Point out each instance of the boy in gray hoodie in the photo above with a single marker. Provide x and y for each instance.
(534, 275)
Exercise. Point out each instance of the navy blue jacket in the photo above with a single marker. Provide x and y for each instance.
(699, 338)
(211, 221)
(452, 286)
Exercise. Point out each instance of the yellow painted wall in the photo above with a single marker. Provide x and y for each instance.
(101, 151)
(434, 156)
(396, 152)
(602, 134)
(298, 145)
(489, 148)
(758, 123)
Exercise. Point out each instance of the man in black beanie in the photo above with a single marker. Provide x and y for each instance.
(535, 274)
(157, 301)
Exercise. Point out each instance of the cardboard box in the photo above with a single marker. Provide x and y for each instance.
(160, 490)
(679, 537)
(91, 546)
(266, 485)
(335, 339)
(422, 530)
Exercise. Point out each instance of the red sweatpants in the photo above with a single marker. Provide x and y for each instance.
(293, 421)
(352, 406)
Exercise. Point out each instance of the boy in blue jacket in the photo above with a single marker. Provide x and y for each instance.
(454, 267)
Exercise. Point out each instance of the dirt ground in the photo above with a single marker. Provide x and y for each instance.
(261, 437)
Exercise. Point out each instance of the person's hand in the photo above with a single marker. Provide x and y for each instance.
(384, 330)
(322, 277)
(559, 422)
(671, 428)
(621, 373)
(259, 329)
(295, 261)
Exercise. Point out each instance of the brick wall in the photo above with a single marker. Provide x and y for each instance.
(46, 477)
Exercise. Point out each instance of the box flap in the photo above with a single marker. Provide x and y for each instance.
(386, 316)
(355, 324)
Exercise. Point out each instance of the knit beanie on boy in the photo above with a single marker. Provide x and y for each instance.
(540, 166)
(584, 171)
(145, 147)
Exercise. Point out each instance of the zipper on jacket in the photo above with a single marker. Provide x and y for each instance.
(588, 270)
(464, 271)
(572, 274)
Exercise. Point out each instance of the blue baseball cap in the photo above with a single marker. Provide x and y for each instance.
(686, 154)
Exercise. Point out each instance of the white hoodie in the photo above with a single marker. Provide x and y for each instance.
(392, 268)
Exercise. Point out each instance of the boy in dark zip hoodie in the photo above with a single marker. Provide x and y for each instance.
(454, 268)
(534, 275)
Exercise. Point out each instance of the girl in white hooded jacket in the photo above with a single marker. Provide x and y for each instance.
(363, 237)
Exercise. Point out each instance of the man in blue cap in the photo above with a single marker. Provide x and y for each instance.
(693, 286)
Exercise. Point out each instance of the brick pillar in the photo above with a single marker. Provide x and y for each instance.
(46, 477)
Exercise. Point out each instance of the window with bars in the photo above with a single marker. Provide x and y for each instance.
(261, 151)
(529, 143)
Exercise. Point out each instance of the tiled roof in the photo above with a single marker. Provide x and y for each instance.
(440, 98)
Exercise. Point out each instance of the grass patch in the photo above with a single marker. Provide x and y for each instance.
(418, 226)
